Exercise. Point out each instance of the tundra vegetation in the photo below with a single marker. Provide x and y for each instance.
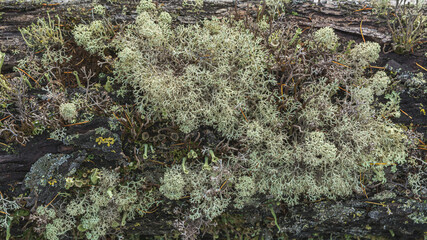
(258, 112)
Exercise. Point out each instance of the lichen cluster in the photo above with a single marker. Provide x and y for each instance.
(68, 111)
(97, 209)
(315, 147)
(285, 116)
(189, 75)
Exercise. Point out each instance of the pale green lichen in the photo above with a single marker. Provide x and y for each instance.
(44, 169)
(68, 111)
(416, 81)
(245, 189)
(54, 226)
(318, 150)
(418, 217)
(417, 183)
(99, 9)
(310, 142)
(391, 108)
(2, 57)
(173, 184)
(44, 34)
(203, 188)
(380, 82)
(326, 38)
(203, 92)
(363, 54)
(93, 37)
(106, 205)
(59, 134)
(384, 195)
(7, 207)
(145, 5)
(195, 4)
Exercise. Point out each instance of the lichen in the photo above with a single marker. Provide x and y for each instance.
(204, 92)
(173, 184)
(93, 37)
(44, 169)
(326, 38)
(68, 111)
(105, 205)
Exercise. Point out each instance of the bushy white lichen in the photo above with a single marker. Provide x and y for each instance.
(93, 37)
(310, 141)
(68, 111)
(99, 9)
(364, 53)
(7, 207)
(173, 184)
(95, 211)
(326, 38)
(245, 189)
(214, 80)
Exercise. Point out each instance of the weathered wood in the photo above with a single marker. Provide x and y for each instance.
(14, 167)
(347, 20)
